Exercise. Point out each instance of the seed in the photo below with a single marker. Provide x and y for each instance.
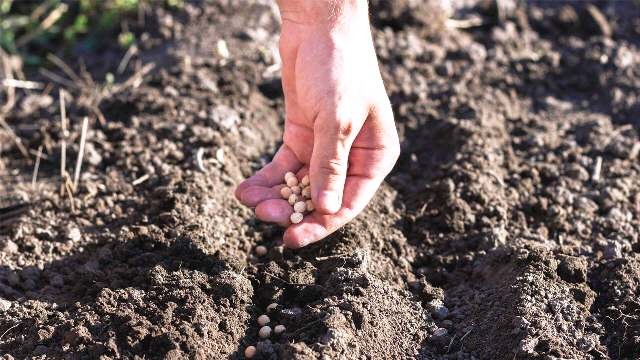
(265, 332)
(296, 217)
(293, 198)
(288, 175)
(279, 329)
(310, 206)
(272, 306)
(296, 189)
(249, 352)
(285, 192)
(305, 180)
(291, 181)
(306, 192)
(261, 250)
(263, 320)
(299, 206)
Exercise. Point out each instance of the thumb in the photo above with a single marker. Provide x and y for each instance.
(332, 142)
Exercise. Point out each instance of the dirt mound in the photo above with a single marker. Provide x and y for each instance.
(509, 228)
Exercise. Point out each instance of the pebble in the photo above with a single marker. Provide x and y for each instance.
(440, 332)
(296, 217)
(74, 234)
(9, 247)
(4, 304)
(250, 351)
(263, 320)
(264, 332)
(261, 250)
(272, 306)
(279, 329)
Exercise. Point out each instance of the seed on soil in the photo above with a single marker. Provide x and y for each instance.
(306, 192)
(296, 217)
(279, 329)
(263, 320)
(286, 192)
(249, 351)
(310, 206)
(261, 250)
(305, 180)
(296, 189)
(272, 306)
(293, 198)
(264, 332)
(299, 206)
(292, 181)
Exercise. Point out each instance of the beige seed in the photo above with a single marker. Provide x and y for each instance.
(279, 329)
(293, 198)
(296, 189)
(305, 180)
(261, 250)
(264, 332)
(288, 175)
(299, 206)
(263, 320)
(292, 181)
(310, 206)
(272, 306)
(306, 192)
(250, 352)
(285, 192)
(296, 217)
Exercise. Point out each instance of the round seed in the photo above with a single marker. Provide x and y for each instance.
(305, 180)
(293, 198)
(310, 206)
(261, 250)
(296, 189)
(272, 306)
(250, 351)
(288, 175)
(285, 192)
(265, 332)
(279, 329)
(306, 192)
(299, 206)
(292, 181)
(263, 320)
(296, 217)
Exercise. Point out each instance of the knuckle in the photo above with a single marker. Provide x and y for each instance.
(344, 128)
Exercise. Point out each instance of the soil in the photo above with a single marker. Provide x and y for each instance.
(509, 228)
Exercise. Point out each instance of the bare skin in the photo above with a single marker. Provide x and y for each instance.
(339, 126)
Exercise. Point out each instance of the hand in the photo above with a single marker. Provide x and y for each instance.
(339, 125)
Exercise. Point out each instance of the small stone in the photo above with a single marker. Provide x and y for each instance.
(440, 332)
(250, 352)
(264, 332)
(279, 329)
(4, 305)
(296, 217)
(286, 192)
(73, 234)
(439, 310)
(263, 320)
(9, 247)
(299, 206)
(261, 250)
(272, 306)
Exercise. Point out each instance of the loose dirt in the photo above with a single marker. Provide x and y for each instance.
(508, 229)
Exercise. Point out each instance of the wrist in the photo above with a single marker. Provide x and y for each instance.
(318, 12)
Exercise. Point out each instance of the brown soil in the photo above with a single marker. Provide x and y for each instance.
(494, 237)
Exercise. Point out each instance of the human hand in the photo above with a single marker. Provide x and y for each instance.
(339, 126)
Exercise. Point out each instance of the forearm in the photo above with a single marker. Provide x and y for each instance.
(314, 12)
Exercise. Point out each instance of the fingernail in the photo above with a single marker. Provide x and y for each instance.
(329, 201)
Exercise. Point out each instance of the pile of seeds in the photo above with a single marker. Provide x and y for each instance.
(265, 330)
(298, 193)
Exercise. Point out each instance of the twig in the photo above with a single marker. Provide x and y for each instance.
(22, 84)
(15, 138)
(9, 329)
(36, 167)
(140, 180)
(63, 141)
(200, 161)
(68, 185)
(51, 19)
(597, 169)
(464, 23)
(126, 58)
(83, 140)
(64, 67)
(57, 78)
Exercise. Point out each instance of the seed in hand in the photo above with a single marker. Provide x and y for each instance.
(306, 192)
(293, 198)
(305, 180)
(292, 181)
(288, 175)
(299, 206)
(296, 189)
(309, 205)
(265, 332)
(261, 250)
(250, 352)
(285, 192)
(263, 320)
(296, 217)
